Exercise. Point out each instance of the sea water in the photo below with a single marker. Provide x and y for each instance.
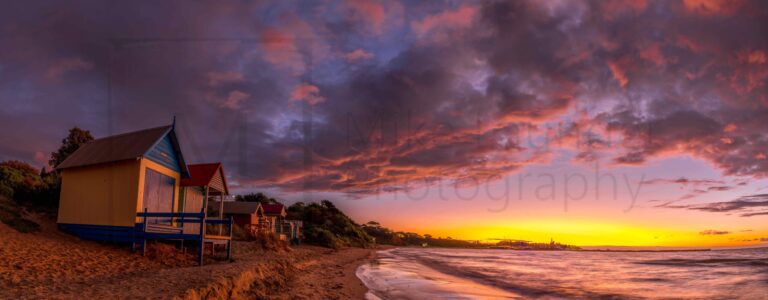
(425, 273)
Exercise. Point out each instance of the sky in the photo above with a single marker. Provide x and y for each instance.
(635, 123)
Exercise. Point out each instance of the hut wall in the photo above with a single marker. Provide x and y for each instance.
(103, 194)
(193, 203)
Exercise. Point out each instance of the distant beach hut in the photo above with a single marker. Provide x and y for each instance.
(292, 229)
(127, 187)
(244, 214)
(274, 214)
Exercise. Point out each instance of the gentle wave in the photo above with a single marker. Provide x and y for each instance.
(415, 273)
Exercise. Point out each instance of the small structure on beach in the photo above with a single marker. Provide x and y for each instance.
(274, 214)
(292, 230)
(275, 221)
(244, 214)
(128, 188)
(205, 181)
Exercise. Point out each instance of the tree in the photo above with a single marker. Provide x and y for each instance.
(76, 138)
(258, 197)
(18, 179)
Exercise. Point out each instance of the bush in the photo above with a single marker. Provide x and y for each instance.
(322, 237)
(11, 215)
(23, 183)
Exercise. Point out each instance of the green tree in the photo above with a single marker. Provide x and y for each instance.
(257, 197)
(18, 179)
(76, 138)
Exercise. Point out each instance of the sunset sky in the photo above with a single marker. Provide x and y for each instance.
(636, 123)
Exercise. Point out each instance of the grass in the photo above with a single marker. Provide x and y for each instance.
(10, 214)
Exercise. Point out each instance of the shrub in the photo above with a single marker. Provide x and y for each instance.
(10, 214)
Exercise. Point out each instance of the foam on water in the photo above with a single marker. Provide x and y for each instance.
(413, 273)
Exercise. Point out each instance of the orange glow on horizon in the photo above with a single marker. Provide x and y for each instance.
(585, 233)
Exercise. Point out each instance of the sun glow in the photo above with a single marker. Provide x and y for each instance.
(589, 233)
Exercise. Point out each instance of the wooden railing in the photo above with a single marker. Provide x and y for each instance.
(152, 231)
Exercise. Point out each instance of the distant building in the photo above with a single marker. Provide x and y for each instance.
(274, 214)
(247, 215)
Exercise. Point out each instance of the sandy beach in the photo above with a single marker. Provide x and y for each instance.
(53, 265)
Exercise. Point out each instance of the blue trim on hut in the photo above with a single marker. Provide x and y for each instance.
(144, 231)
(164, 153)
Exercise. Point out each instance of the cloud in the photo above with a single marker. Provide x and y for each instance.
(447, 98)
(713, 7)
(371, 12)
(618, 74)
(280, 49)
(461, 17)
(235, 99)
(745, 206)
(63, 66)
(357, 55)
(684, 181)
(714, 232)
(307, 93)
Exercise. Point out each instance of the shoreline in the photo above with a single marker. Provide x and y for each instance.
(330, 274)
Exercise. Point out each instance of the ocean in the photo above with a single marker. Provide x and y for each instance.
(426, 273)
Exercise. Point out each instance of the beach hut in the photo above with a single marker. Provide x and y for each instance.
(126, 187)
(205, 181)
(292, 229)
(244, 214)
(108, 180)
(274, 214)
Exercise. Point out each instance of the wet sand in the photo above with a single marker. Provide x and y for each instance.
(53, 265)
(329, 274)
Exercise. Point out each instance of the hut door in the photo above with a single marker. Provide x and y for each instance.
(158, 194)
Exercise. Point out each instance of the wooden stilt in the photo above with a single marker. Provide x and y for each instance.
(144, 234)
(229, 242)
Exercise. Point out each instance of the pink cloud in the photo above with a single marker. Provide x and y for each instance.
(235, 99)
(307, 93)
(713, 7)
(41, 158)
(452, 19)
(370, 11)
(281, 50)
(358, 54)
(653, 53)
(63, 66)
(618, 74)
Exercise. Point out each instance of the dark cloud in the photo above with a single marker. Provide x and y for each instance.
(714, 232)
(745, 206)
(269, 89)
(684, 181)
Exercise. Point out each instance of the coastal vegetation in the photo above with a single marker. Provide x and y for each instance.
(24, 187)
(326, 225)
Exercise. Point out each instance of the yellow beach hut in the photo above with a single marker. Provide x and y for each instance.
(125, 188)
